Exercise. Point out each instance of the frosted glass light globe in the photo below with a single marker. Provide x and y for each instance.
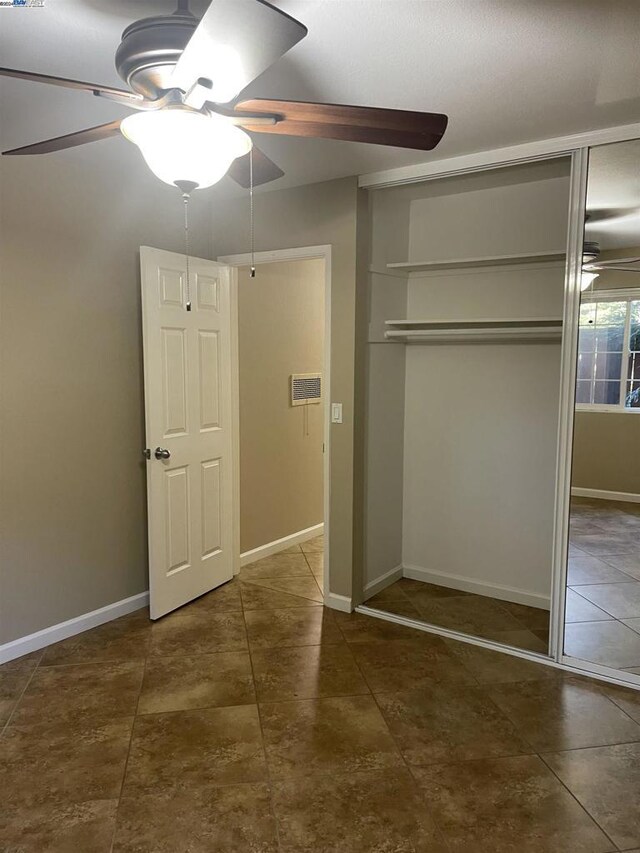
(180, 145)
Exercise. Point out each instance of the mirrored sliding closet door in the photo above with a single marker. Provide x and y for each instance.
(467, 278)
(602, 613)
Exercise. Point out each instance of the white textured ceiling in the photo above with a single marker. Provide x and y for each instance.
(505, 71)
(613, 195)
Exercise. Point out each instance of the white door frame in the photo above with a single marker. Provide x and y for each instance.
(302, 253)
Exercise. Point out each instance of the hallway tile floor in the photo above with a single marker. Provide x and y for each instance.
(256, 720)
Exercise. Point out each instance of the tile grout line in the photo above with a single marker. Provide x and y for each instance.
(104, 662)
(535, 752)
(600, 690)
(311, 699)
(584, 748)
(126, 762)
(284, 592)
(284, 577)
(262, 740)
(401, 754)
(611, 699)
(306, 559)
(540, 755)
(19, 699)
(575, 798)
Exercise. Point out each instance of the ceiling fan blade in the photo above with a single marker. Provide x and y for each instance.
(94, 88)
(400, 128)
(235, 41)
(70, 140)
(264, 169)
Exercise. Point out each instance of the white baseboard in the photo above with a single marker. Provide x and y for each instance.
(281, 544)
(48, 636)
(602, 494)
(338, 602)
(382, 582)
(504, 593)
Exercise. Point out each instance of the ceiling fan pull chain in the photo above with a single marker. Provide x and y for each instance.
(253, 259)
(185, 198)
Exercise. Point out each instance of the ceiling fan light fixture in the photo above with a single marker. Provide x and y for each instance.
(183, 146)
(587, 279)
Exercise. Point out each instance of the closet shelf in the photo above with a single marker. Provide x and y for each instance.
(491, 261)
(485, 330)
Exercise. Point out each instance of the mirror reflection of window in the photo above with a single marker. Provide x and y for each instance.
(608, 356)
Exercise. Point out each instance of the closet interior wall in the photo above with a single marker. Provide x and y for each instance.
(461, 436)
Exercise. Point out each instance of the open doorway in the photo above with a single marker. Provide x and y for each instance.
(282, 393)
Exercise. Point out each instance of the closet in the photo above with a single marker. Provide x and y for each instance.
(465, 303)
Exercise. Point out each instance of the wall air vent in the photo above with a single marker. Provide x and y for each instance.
(306, 388)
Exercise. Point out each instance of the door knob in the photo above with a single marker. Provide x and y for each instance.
(161, 453)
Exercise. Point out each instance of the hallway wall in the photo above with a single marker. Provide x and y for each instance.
(313, 215)
(281, 331)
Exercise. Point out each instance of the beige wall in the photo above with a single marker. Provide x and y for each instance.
(316, 214)
(605, 451)
(281, 331)
(72, 480)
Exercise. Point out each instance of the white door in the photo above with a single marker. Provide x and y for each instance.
(187, 383)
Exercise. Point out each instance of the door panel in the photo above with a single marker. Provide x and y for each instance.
(207, 293)
(174, 370)
(176, 485)
(187, 363)
(211, 507)
(171, 287)
(209, 381)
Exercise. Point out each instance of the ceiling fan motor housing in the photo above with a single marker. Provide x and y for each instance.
(150, 49)
(590, 251)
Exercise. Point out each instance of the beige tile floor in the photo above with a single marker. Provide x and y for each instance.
(256, 720)
(603, 596)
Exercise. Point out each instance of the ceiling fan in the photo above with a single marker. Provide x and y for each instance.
(184, 75)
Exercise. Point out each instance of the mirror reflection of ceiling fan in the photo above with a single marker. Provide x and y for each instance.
(622, 264)
(593, 265)
(185, 76)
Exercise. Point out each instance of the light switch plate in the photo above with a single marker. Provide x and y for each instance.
(336, 413)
